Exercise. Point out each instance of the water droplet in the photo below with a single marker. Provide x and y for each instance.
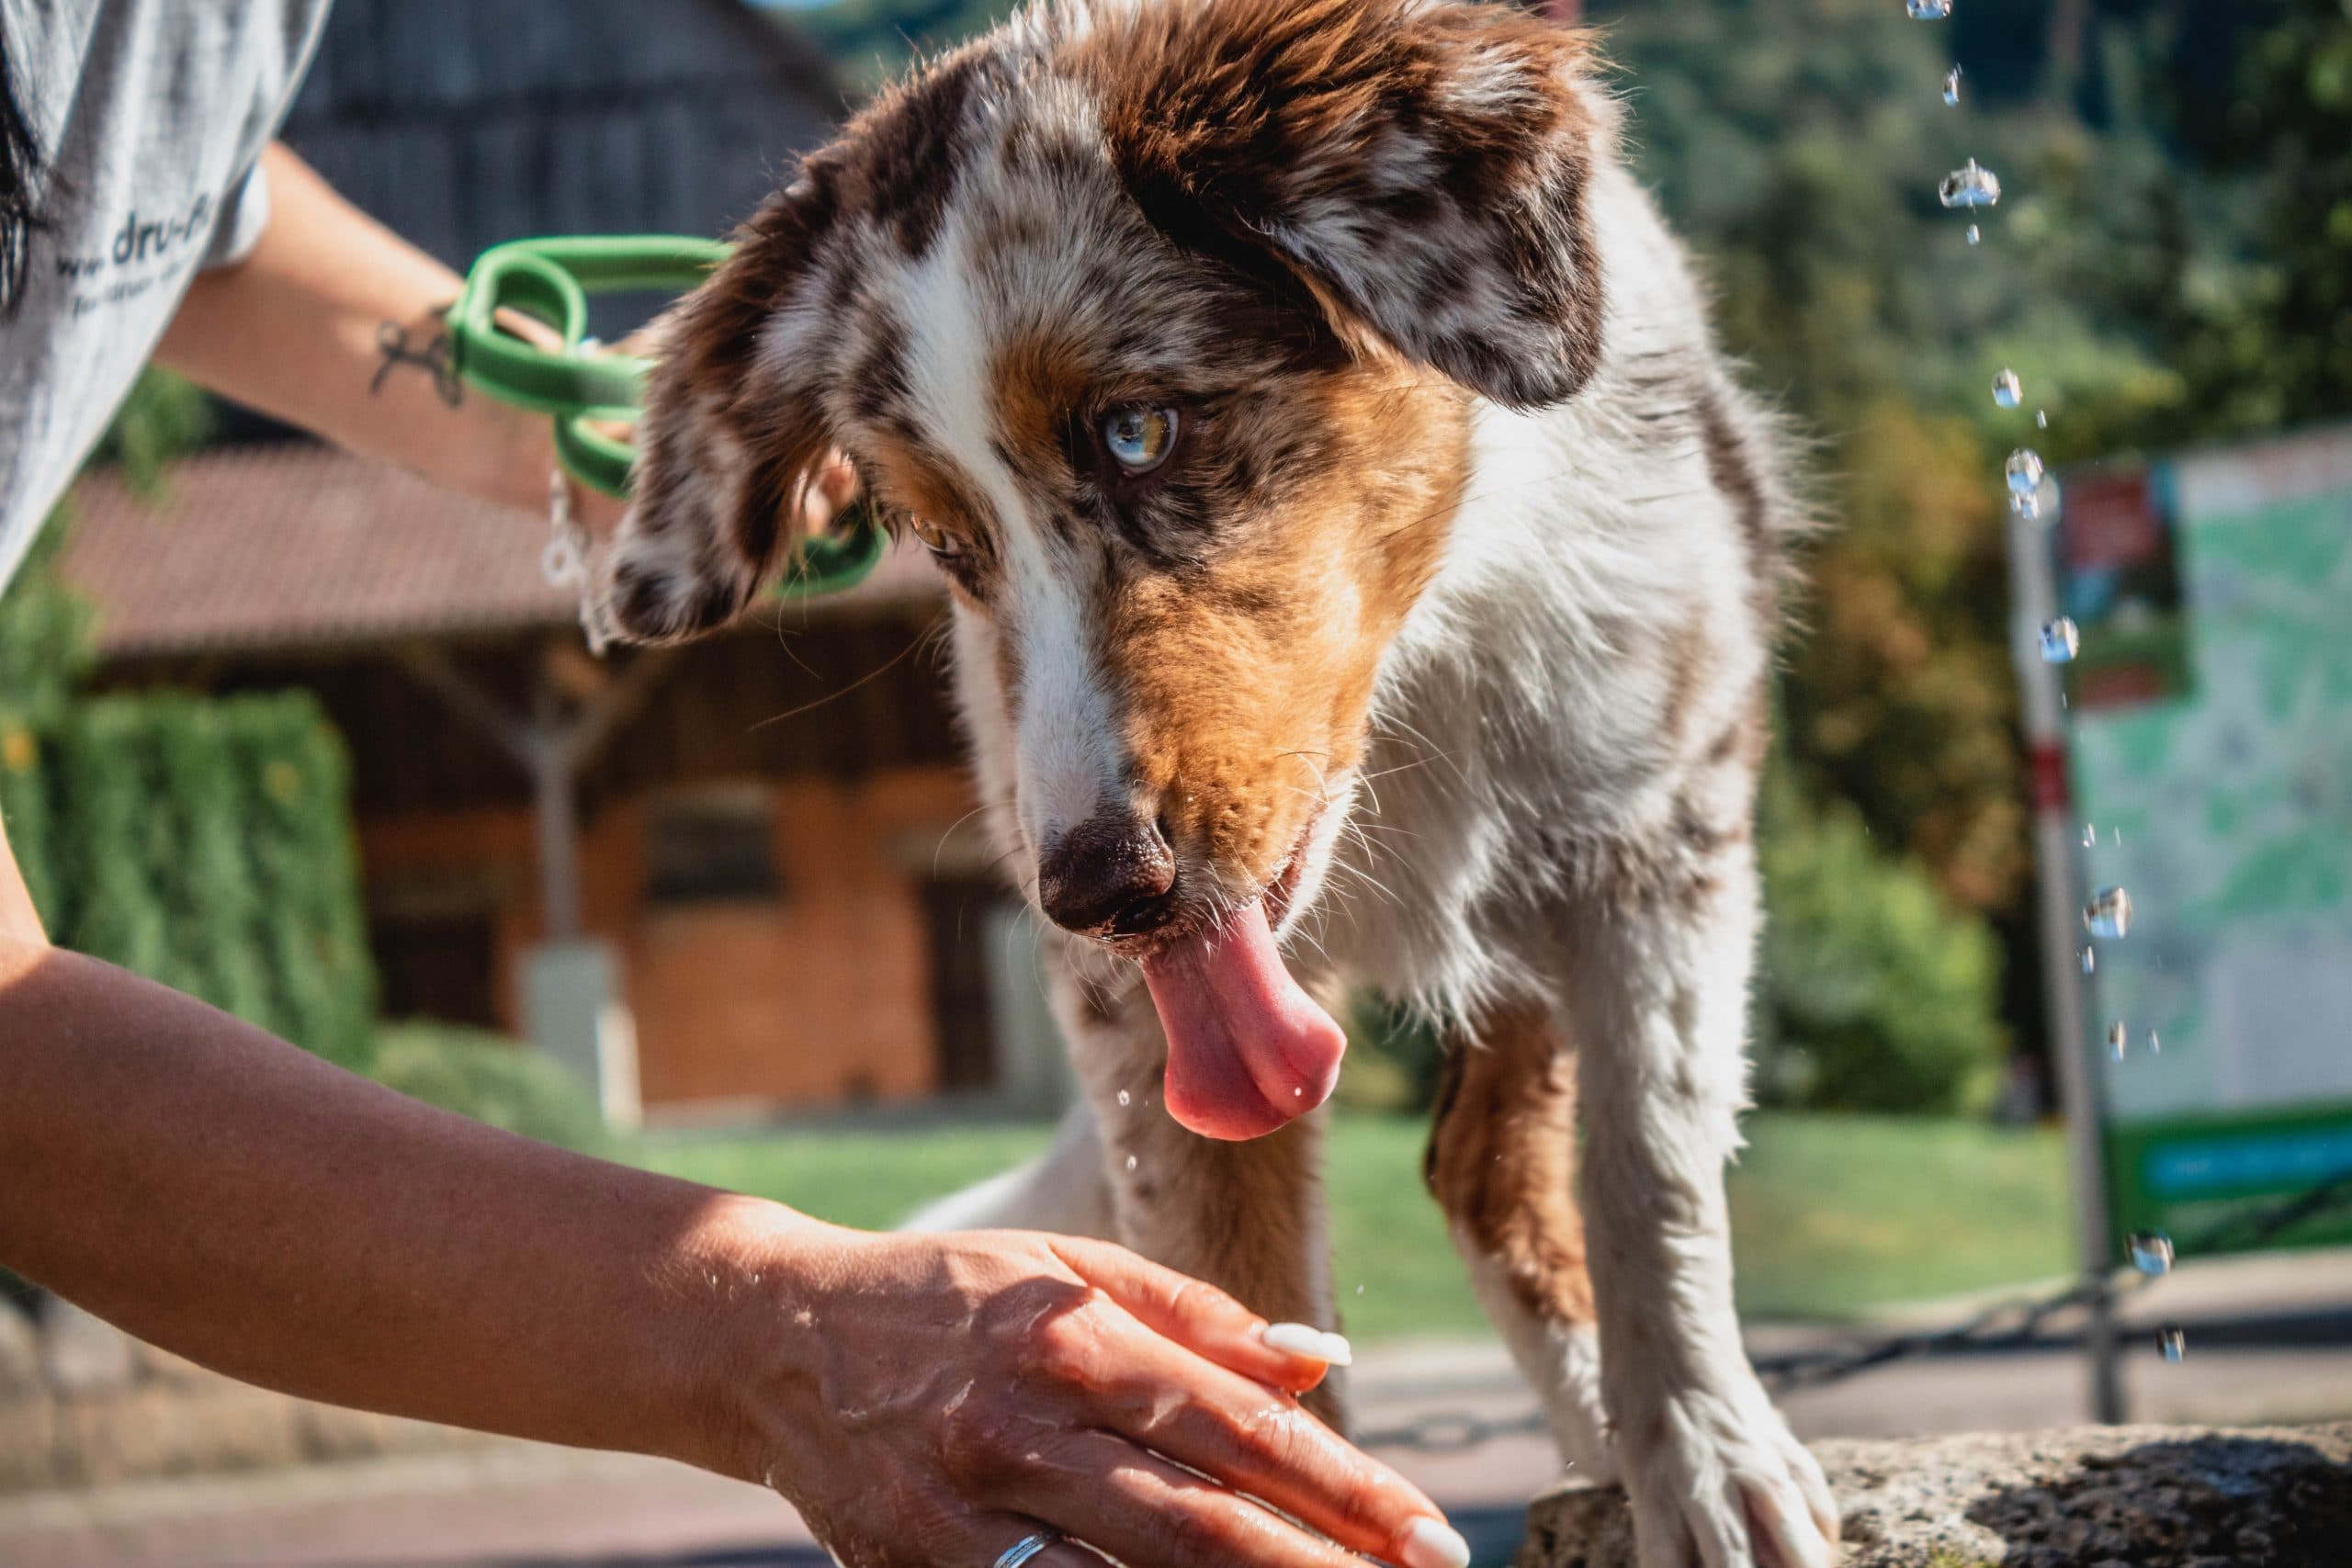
(2090, 958)
(2007, 390)
(2090, 841)
(1298, 1094)
(1972, 235)
(2108, 914)
(2060, 643)
(2119, 1038)
(1359, 1290)
(1952, 85)
(2155, 1046)
(2173, 1342)
(1125, 1099)
(2041, 419)
(1971, 185)
(2024, 471)
(2151, 1251)
(1131, 1162)
(1927, 10)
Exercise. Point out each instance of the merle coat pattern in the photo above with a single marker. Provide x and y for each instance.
(1439, 636)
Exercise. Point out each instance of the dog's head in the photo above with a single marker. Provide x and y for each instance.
(1160, 323)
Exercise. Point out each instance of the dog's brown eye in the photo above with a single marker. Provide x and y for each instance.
(1139, 439)
(935, 539)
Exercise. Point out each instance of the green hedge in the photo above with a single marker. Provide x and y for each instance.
(1874, 992)
(206, 843)
(492, 1079)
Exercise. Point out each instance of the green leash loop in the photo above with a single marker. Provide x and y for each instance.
(549, 280)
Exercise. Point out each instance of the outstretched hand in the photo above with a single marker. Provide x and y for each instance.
(929, 1401)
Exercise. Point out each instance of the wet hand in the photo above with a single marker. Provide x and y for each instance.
(937, 1398)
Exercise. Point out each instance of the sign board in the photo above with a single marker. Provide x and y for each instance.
(2209, 746)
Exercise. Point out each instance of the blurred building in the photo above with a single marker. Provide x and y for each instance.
(754, 855)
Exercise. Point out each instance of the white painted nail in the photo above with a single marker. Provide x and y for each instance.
(1431, 1544)
(1313, 1344)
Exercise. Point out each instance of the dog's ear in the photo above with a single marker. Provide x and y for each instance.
(731, 435)
(1421, 168)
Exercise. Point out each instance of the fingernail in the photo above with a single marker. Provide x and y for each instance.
(1312, 1343)
(1430, 1543)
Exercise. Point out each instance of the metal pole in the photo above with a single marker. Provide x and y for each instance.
(2034, 601)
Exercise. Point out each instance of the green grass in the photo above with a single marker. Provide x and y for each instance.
(1831, 1214)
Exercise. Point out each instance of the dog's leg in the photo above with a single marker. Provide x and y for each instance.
(1246, 1217)
(1062, 1191)
(1658, 1002)
(1502, 1166)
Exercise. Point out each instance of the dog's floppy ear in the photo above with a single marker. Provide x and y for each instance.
(1421, 168)
(730, 436)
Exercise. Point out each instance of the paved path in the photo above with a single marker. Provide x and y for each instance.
(2269, 1339)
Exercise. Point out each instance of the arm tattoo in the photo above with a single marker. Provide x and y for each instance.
(434, 356)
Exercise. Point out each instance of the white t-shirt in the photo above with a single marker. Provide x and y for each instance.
(152, 115)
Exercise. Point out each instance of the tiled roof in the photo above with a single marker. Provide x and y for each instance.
(293, 544)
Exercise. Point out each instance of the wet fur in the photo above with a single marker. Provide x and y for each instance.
(1457, 604)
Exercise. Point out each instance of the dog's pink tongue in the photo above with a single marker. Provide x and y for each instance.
(1247, 1049)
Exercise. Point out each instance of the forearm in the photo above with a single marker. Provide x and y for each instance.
(297, 329)
(244, 1203)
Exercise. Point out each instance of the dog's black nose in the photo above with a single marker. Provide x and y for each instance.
(1108, 876)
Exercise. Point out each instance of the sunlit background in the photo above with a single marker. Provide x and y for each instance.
(311, 740)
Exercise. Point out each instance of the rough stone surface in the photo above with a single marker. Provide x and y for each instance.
(2096, 1497)
(83, 1354)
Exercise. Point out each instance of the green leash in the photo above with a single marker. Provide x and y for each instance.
(549, 280)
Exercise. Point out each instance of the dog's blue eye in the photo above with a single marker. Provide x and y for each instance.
(1139, 439)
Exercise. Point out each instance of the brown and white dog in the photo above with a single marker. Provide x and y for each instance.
(1364, 570)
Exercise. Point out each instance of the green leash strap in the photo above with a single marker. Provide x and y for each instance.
(549, 280)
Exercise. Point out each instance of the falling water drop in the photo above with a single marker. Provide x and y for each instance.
(2108, 914)
(2041, 419)
(1131, 1162)
(2090, 958)
(1927, 10)
(2059, 642)
(2172, 1341)
(1971, 185)
(1952, 85)
(2119, 1038)
(1125, 1099)
(2007, 390)
(2024, 471)
(1972, 235)
(2151, 1251)
(2155, 1046)
(1359, 1290)
(2090, 841)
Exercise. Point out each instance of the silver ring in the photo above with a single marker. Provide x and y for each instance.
(1028, 1546)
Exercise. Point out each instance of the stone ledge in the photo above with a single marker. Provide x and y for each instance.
(2092, 1497)
(84, 1404)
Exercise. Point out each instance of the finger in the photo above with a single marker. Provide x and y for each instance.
(1143, 1511)
(995, 1537)
(1200, 1318)
(1269, 1448)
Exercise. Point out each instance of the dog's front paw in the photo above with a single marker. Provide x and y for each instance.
(1718, 1481)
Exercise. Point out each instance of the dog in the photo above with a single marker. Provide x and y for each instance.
(1365, 570)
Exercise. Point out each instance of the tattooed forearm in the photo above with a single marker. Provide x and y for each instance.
(433, 355)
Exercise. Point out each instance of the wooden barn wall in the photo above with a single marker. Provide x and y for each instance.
(462, 123)
(863, 695)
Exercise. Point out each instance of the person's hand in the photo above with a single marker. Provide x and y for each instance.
(835, 486)
(929, 1401)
